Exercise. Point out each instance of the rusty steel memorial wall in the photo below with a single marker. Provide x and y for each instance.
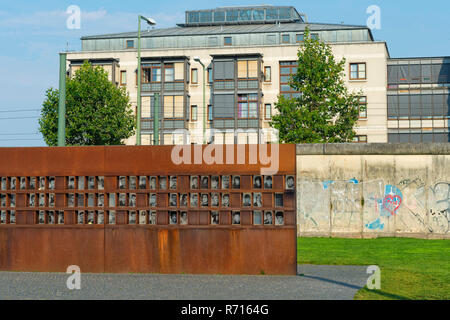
(164, 209)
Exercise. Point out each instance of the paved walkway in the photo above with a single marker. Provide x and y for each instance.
(313, 282)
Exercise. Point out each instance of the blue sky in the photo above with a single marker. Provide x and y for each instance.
(32, 34)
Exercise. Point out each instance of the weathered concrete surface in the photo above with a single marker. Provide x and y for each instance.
(371, 190)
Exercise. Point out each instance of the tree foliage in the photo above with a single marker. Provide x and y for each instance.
(324, 112)
(97, 112)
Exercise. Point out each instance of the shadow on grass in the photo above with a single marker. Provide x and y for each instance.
(365, 291)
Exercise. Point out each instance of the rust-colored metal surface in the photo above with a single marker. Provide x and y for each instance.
(68, 206)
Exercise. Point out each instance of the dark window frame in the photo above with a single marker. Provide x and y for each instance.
(357, 70)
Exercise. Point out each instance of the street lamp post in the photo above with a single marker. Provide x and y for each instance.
(204, 97)
(138, 111)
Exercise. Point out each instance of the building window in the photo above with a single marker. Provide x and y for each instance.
(287, 68)
(173, 107)
(299, 38)
(227, 41)
(315, 36)
(193, 113)
(248, 106)
(130, 44)
(357, 71)
(194, 76)
(210, 75)
(285, 38)
(247, 69)
(169, 73)
(123, 78)
(267, 74)
(151, 73)
(268, 111)
(362, 107)
(360, 139)
(210, 115)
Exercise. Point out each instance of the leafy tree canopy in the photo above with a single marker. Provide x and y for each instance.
(97, 112)
(324, 112)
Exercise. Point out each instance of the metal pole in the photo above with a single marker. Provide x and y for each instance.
(204, 104)
(138, 111)
(156, 121)
(62, 101)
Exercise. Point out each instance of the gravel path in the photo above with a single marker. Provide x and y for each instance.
(312, 282)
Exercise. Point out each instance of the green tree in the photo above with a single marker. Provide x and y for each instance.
(324, 112)
(97, 112)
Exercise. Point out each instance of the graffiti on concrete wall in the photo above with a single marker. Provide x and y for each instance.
(347, 203)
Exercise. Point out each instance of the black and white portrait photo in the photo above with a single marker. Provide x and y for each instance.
(12, 200)
(279, 200)
(257, 217)
(215, 182)
(80, 197)
(152, 217)
(290, 183)
(132, 182)
(152, 183)
(267, 182)
(257, 182)
(23, 183)
(32, 183)
(236, 182)
(80, 183)
(51, 200)
(3, 216)
(205, 182)
(173, 200)
(268, 217)
(112, 200)
(194, 199)
(204, 199)
(71, 183)
(60, 217)
(172, 217)
(91, 183)
(12, 216)
(70, 199)
(51, 217)
(214, 217)
(225, 200)
(122, 182)
(3, 200)
(194, 182)
(101, 200)
(12, 183)
(101, 183)
(183, 217)
(257, 200)
(51, 183)
(132, 200)
(142, 182)
(132, 217)
(80, 217)
(42, 200)
(31, 200)
(173, 183)
(162, 182)
(225, 182)
(142, 217)
(111, 217)
(183, 200)
(100, 217)
(122, 199)
(152, 200)
(41, 218)
(236, 217)
(214, 199)
(247, 200)
(4, 184)
(279, 218)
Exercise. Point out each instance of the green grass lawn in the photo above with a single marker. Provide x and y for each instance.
(410, 268)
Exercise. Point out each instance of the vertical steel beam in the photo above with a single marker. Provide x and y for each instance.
(62, 101)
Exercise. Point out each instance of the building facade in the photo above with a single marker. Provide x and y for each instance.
(248, 54)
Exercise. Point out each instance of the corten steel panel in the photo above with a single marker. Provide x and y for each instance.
(194, 248)
(51, 248)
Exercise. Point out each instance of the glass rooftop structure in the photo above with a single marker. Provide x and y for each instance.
(242, 15)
